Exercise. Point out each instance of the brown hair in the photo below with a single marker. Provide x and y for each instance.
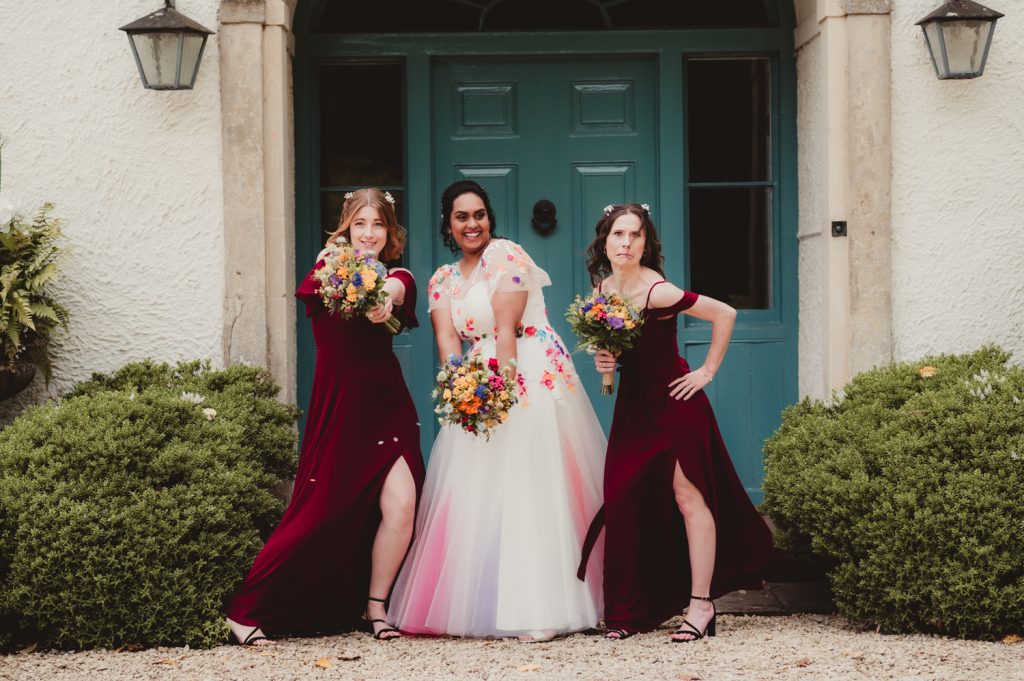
(374, 198)
(597, 260)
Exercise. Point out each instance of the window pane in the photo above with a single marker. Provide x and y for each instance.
(729, 119)
(457, 16)
(361, 125)
(730, 245)
(330, 213)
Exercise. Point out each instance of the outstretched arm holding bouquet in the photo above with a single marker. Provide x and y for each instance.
(332, 560)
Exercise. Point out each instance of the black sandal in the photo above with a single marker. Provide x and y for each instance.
(251, 639)
(622, 634)
(709, 629)
(383, 630)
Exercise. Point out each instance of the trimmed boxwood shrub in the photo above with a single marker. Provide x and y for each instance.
(910, 483)
(130, 510)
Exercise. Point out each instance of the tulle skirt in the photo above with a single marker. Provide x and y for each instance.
(501, 523)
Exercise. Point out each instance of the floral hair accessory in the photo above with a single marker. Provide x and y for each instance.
(608, 209)
(647, 209)
(390, 199)
(349, 195)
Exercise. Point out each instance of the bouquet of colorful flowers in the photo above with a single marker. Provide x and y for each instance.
(352, 281)
(475, 394)
(605, 321)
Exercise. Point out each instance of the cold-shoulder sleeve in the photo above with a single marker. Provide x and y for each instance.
(506, 267)
(684, 303)
(439, 289)
(309, 292)
(406, 312)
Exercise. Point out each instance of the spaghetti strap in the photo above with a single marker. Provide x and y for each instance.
(647, 302)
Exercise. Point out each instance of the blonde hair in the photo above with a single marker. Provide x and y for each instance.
(377, 200)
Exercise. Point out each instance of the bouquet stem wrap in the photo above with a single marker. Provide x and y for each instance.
(608, 383)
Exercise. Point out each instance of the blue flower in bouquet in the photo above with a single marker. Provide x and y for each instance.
(335, 280)
(455, 360)
(616, 322)
(481, 391)
(357, 280)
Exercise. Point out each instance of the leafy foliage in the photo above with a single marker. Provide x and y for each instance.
(911, 483)
(30, 258)
(130, 511)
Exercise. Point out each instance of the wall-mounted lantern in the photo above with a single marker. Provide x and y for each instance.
(168, 47)
(958, 35)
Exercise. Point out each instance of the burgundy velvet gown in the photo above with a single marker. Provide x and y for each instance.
(313, 574)
(647, 564)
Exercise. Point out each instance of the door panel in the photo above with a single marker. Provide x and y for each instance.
(748, 394)
(578, 132)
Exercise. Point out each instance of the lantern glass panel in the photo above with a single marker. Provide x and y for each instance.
(158, 54)
(965, 44)
(191, 49)
(933, 34)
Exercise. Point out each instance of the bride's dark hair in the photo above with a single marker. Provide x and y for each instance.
(597, 260)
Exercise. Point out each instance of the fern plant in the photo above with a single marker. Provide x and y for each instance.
(30, 257)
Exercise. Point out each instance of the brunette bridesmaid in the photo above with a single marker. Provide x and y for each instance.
(332, 560)
(680, 528)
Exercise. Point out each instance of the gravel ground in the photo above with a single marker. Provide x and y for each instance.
(747, 647)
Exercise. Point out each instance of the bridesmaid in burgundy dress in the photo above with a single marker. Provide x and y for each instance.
(333, 558)
(681, 529)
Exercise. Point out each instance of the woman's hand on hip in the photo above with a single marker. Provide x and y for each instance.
(605, 361)
(381, 313)
(687, 386)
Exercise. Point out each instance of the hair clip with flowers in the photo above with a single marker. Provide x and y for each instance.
(349, 195)
(608, 209)
(647, 209)
(390, 199)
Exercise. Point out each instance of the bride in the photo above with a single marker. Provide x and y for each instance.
(502, 522)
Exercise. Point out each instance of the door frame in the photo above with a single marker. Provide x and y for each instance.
(669, 48)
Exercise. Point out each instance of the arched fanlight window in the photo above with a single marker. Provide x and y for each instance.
(465, 16)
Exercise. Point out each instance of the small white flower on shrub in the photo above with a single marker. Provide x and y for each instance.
(209, 412)
(192, 397)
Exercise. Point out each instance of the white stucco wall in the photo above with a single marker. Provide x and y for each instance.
(811, 168)
(136, 173)
(957, 199)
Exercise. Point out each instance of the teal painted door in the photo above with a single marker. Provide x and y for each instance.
(578, 132)
(700, 124)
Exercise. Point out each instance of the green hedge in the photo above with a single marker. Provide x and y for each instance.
(130, 511)
(910, 482)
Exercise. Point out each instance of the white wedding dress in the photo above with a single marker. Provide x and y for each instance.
(501, 523)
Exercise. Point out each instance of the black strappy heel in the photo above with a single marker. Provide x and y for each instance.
(384, 630)
(697, 634)
(251, 639)
(623, 634)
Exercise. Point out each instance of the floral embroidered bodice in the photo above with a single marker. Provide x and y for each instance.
(503, 267)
